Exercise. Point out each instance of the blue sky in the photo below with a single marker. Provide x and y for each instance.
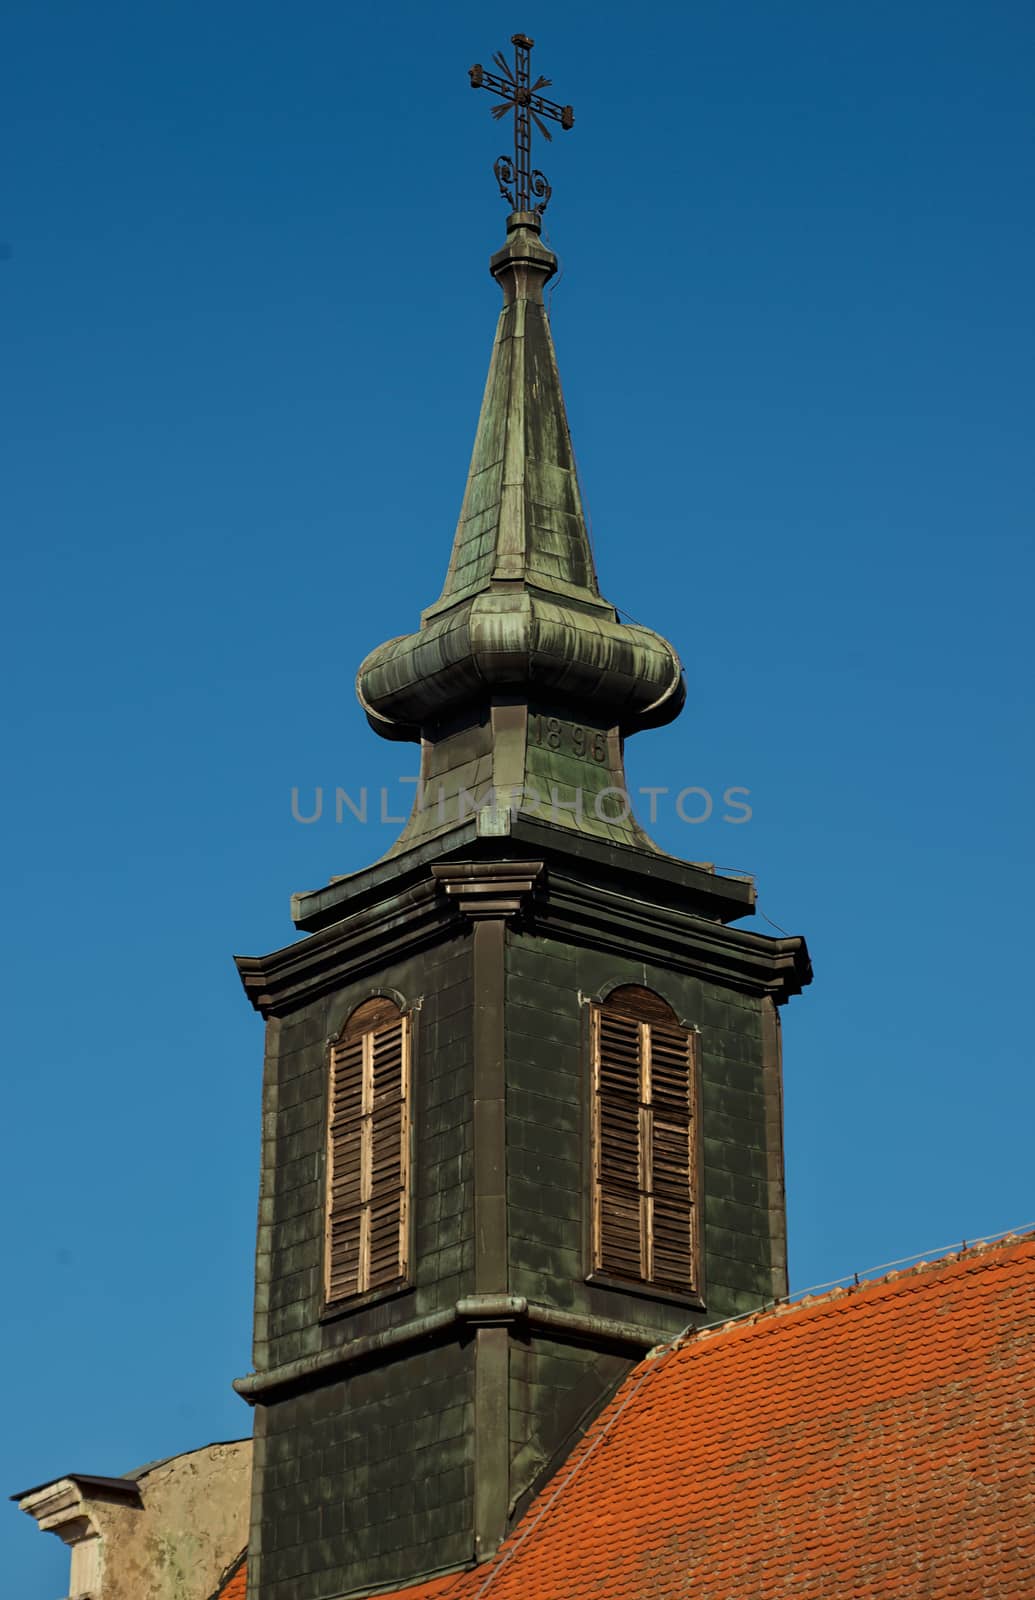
(246, 321)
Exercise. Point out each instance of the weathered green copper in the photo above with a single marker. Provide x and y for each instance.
(522, 680)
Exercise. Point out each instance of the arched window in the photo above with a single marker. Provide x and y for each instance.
(368, 1149)
(645, 1182)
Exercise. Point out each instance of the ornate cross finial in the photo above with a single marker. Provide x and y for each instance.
(522, 185)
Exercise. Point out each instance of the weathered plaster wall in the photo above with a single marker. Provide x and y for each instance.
(193, 1522)
(167, 1533)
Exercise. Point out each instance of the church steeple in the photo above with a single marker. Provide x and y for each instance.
(522, 681)
(522, 1088)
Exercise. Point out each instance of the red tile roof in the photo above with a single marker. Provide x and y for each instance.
(432, 1589)
(878, 1442)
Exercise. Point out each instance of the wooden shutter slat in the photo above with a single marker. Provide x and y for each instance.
(620, 1232)
(671, 1156)
(673, 1243)
(384, 1241)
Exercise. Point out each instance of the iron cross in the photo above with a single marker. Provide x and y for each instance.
(523, 185)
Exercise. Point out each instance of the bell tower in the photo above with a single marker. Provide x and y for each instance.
(522, 1102)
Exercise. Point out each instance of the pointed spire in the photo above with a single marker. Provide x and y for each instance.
(522, 682)
(522, 518)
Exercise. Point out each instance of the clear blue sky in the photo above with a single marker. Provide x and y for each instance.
(246, 321)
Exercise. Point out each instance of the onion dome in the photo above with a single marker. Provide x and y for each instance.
(522, 681)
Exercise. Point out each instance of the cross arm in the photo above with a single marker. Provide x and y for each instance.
(536, 103)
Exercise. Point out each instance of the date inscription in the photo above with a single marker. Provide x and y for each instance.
(553, 733)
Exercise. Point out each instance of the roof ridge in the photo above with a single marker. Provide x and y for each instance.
(976, 1254)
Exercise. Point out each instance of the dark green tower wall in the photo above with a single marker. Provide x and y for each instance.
(365, 1480)
(372, 1473)
(403, 1435)
(289, 1263)
(549, 986)
(556, 1385)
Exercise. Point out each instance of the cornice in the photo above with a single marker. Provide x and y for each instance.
(598, 901)
(481, 889)
(587, 913)
(503, 837)
(372, 938)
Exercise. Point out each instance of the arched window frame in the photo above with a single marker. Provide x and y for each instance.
(646, 1162)
(369, 1133)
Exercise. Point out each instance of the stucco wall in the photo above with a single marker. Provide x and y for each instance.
(194, 1521)
(166, 1533)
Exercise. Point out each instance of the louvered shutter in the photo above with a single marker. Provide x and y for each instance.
(389, 1138)
(345, 1209)
(644, 1140)
(619, 1196)
(671, 1079)
(368, 1166)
